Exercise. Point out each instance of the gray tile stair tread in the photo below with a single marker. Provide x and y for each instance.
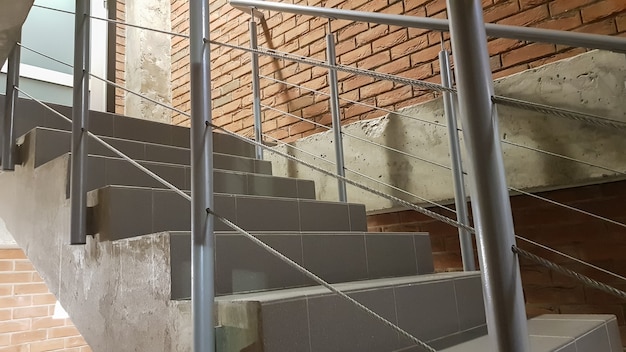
(552, 332)
(126, 174)
(286, 294)
(138, 150)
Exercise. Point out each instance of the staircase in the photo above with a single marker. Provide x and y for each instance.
(128, 288)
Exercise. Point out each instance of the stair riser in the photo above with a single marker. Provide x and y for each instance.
(102, 171)
(322, 322)
(123, 212)
(106, 124)
(242, 266)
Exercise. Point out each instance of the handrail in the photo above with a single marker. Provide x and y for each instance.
(583, 40)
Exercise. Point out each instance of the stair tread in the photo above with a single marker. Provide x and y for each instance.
(105, 170)
(290, 293)
(57, 142)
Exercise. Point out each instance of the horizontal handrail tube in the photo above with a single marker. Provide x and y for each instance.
(583, 40)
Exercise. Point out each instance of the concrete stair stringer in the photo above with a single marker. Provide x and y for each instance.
(100, 282)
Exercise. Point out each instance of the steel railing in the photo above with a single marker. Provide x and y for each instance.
(202, 123)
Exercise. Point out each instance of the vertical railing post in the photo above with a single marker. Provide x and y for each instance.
(80, 124)
(334, 110)
(256, 89)
(460, 199)
(502, 287)
(8, 124)
(202, 224)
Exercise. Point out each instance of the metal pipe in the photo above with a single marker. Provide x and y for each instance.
(583, 40)
(256, 90)
(336, 120)
(502, 286)
(80, 124)
(8, 125)
(460, 199)
(202, 223)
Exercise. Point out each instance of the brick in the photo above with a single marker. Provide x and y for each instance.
(6, 265)
(12, 254)
(527, 17)
(372, 34)
(621, 23)
(30, 312)
(435, 7)
(396, 66)
(14, 325)
(374, 89)
(48, 345)
(554, 295)
(394, 96)
(390, 40)
(501, 10)
(409, 47)
(355, 55)
(65, 331)
(602, 9)
(47, 322)
(565, 22)
(527, 53)
(28, 336)
(374, 60)
(15, 301)
(13, 277)
(352, 30)
(602, 27)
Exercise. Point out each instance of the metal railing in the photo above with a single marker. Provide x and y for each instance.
(465, 29)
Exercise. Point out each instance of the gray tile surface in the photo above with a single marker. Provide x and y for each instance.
(428, 310)
(267, 214)
(335, 258)
(286, 326)
(390, 255)
(424, 254)
(323, 216)
(358, 218)
(614, 336)
(337, 326)
(272, 186)
(470, 304)
(243, 266)
(595, 340)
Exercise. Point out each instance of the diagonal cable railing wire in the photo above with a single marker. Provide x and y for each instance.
(560, 112)
(353, 101)
(556, 155)
(395, 188)
(117, 22)
(344, 68)
(399, 201)
(395, 150)
(565, 255)
(251, 237)
(569, 272)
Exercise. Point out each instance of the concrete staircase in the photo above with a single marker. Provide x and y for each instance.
(127, 289)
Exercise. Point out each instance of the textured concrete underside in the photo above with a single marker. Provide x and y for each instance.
(115, 292)
(12, 15)
(593, 82)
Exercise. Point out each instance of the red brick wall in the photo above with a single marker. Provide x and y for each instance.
(592, 240)
(26, 309)
(407, 52)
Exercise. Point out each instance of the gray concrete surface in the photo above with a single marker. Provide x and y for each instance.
(114, 291)
(594, 82)
(12, 16)
(148, 60)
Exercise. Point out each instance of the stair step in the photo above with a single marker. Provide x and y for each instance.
(51, 143)
(123, 211)
(561, 333)
(435, 308)
(104, 171)
(243, 266)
